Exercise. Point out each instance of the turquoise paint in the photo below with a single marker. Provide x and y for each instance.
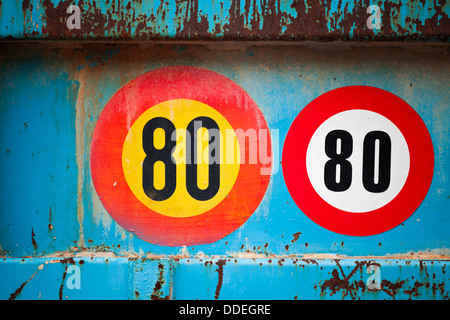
(282, 80)
(38, 161)
(99, 279)
(164, 20)
(51, 95)
(115, 278)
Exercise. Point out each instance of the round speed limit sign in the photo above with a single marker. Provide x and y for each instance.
(358, 160)
(167, 161)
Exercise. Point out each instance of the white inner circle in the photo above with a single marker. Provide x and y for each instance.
(358, 123)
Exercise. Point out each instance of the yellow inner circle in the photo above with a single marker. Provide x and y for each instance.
(181, 112)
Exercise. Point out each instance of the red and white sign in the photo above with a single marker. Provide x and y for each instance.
(358, 160)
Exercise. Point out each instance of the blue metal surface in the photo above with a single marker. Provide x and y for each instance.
(226, 20)
(98, 278)
(52, 99)
(221, 279)
(303, 279)
(52, 94)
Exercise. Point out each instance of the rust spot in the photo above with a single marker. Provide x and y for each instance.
(308, 261)
(156, 295)
(336, 283)
(295, 236)
(14, 295)
(195, 25)
(220, 263)
(50, 226)
(33, 241)
(68, 260)
(441, 287)
(391, 288)
(62, 284)
(414, 290)
(286, 247)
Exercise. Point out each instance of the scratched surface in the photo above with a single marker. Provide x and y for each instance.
(222, 279)
(51, 95)
(101, 278)
(302, 279)
(226, 20)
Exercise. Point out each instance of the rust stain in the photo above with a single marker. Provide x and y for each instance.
(195, 24)
(341, 282)
(62, 284)
(14, 295)
(308, 261)
(17, 292)
(156, 295)
(391, 288)
(220, 263)
(67, 260)
(50, 226)
(33, 241)
(242, 20)
(336, 283)
(295, 236)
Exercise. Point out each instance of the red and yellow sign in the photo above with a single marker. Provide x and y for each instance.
(166, 161)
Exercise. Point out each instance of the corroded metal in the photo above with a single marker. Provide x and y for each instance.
(52, 93)
(226, 20)
(224, 278)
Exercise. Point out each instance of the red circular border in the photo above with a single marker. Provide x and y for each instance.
(150, 89)
(366, 98)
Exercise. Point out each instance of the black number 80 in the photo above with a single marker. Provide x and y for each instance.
(338, 170)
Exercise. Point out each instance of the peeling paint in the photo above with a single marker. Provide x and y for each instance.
(232, 20)
(81, 232)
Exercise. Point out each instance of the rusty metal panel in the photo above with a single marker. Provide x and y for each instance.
(59, 241)
(227, 20)
(52, 95)
(300, 279)
(83, 278)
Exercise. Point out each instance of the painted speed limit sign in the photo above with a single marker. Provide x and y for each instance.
(168, 160)
(358, 160)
